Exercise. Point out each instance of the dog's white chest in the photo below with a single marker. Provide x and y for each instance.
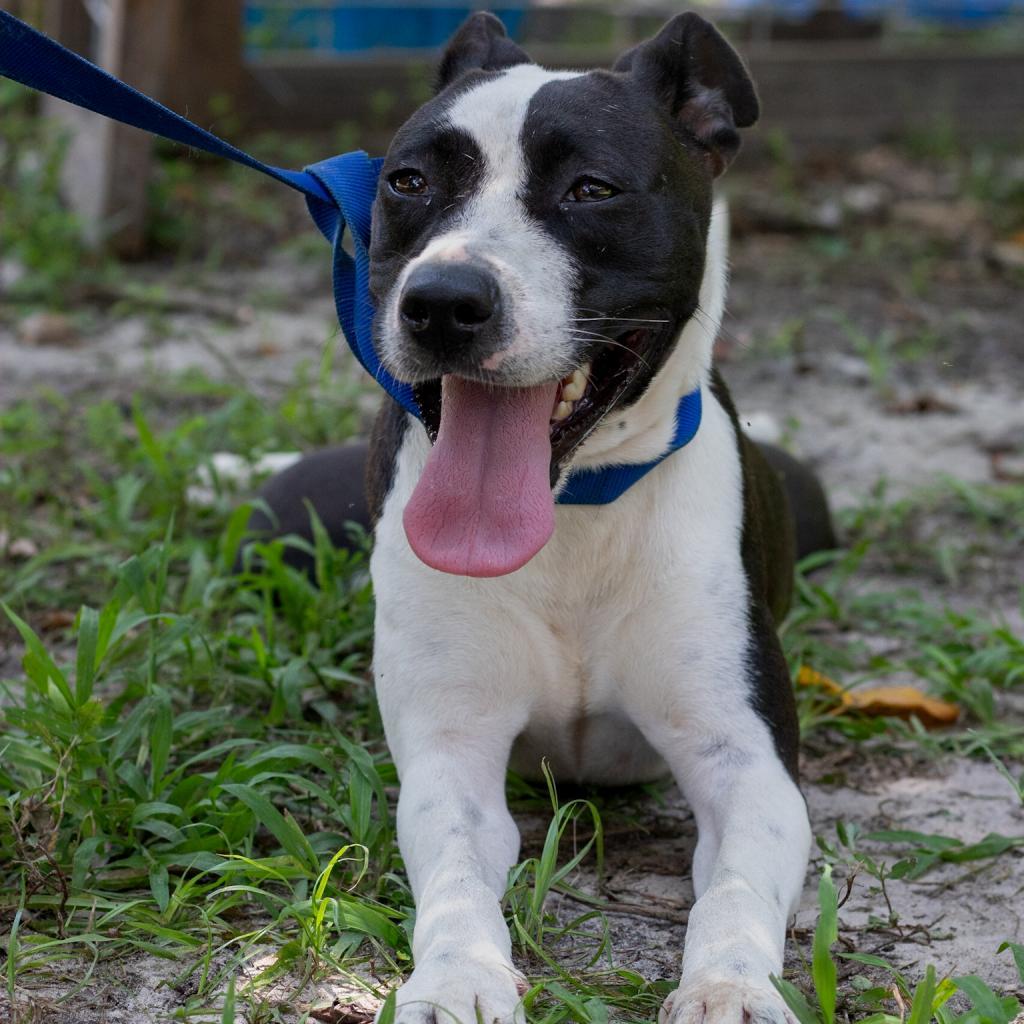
(578, 715)
(577, 646)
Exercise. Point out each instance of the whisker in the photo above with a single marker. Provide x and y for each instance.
(721, 329)
(619, 319)
(401, 255)
(602, 340)
(577, 332)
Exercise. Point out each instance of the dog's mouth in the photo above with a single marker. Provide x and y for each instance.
(583, 398)
(595, 389)
(483, 505)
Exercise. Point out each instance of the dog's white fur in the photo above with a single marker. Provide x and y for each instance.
(618, 652)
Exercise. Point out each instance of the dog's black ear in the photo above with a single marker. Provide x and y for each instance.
(482, 43)
(699, 78)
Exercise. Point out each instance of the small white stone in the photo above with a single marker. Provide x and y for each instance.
(22, 548)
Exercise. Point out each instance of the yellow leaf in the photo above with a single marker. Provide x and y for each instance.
(892, 701)
(808, 676)
(904, 702)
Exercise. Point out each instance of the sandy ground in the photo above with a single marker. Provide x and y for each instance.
(956, 411)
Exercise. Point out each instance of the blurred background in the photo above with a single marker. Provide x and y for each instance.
(842, 74)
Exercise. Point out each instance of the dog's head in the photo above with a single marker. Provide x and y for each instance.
(538, 246)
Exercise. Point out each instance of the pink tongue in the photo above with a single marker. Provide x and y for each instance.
(483, 506)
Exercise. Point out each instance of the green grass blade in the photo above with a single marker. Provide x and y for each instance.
(794, 999)
(85, 661)
(284, 830)
(924, 997)
(1017, 950)
(227, 1015)
(46, 669)
(823, 967)
(387, 1011)
(986, 1003)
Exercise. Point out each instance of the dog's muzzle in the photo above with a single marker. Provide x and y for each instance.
(451, 315)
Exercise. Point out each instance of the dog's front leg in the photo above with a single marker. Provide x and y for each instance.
(458, 841)
(748, 869)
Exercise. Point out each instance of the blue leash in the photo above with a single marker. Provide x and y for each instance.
(339, 193)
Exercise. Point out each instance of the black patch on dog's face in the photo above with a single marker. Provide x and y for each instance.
(640, 253)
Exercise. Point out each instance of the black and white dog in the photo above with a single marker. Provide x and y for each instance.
(549, 267)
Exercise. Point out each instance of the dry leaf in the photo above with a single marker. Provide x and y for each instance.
(56, 618)
(905, 702)
(890, 701)
(337, 1013)
(808, 676)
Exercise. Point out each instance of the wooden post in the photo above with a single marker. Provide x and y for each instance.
(69, 23)
(108, 165)
(209, 44)
(19, 8)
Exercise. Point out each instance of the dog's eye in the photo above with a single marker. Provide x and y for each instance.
(408, 183)
(590, 190)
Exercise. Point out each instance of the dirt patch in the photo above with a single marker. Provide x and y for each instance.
(271, 320)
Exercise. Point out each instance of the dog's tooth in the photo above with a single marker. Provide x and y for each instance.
(561, 411)
(584, 370)
(573, 391)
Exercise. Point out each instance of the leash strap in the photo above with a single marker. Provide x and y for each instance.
(35, 60)
(339, 193)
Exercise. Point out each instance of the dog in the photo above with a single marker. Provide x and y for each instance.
(548, 266)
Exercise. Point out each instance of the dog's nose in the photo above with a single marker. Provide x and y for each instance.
(446, 307)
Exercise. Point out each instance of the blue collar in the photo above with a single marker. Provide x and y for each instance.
(339, 193)
(602, 485)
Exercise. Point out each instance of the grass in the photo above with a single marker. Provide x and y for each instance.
(35, 229)
(921, 544)
(188, 718)
(191, 761)
(898, 999)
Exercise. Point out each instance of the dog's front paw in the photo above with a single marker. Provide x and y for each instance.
(724, 1000)
(456, 990)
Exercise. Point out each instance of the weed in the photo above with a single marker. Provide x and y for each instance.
(196, 762)
(897, 1002)
(533, 880)
(924, 851)
(788, 339)
(199, 749)
(1016, 784)
(876, 349)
